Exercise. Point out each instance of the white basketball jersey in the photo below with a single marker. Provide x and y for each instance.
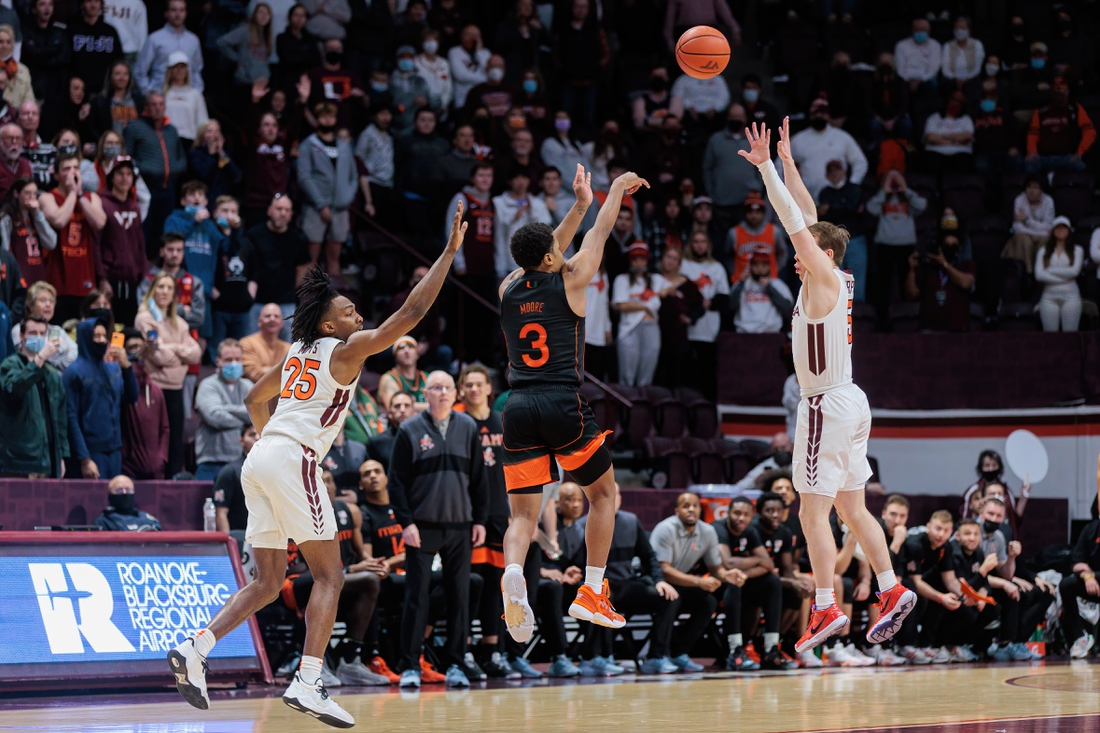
(312, 404)
(823, 347)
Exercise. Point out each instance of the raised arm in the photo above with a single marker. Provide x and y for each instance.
(582, 267)
(793, 178)
(365, 343)
(582, 189)
(813, 259)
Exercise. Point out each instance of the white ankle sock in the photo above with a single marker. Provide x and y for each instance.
(310, 670)
(886, 580)
(734, 641)
(593, 578)
(825, 598)
(770, 640)
(204, 642)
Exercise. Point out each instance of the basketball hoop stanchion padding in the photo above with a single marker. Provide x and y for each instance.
(102, 609)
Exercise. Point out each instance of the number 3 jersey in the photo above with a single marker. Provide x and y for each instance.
(822, 347)
(312, 404)
(545, 338)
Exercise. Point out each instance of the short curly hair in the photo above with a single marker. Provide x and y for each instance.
(530, 244)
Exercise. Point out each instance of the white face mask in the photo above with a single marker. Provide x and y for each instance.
(961, 34)
(430, 47)
(496, 73)
(991, 69)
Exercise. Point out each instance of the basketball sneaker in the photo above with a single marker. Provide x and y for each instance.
(1079, 650)
(886, 657)
(823, 624)
(189, 669)
(356, 673)
(378, 666)
(739, 661)
(597, 608)
(894, 605)
(775, 659)
(313, 700)
(518, 615)
(428, 674)
(809, 660)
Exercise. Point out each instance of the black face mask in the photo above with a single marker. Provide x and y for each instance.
(736, 125)
(1017, 31)
(326, 129)
(782, 458)
(990, 476)
(990, 527)
(950, 253)
(657, 85)
(818, 123)
(123, 503)
(334, 57)
(97, 351)
(886, 70)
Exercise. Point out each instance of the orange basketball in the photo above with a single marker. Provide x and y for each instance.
(702, 52)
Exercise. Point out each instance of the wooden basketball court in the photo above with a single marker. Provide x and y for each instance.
(1039, 698)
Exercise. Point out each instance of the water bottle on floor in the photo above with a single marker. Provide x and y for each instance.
(209, 516)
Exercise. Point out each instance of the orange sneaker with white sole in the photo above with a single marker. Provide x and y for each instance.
(378, 666)
(428, 675)
(823, 624)
(596, 607)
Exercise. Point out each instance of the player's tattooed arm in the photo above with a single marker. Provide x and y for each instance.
(582, 189)
(258, 399)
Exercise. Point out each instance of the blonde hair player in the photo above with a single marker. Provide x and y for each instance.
(830, 460)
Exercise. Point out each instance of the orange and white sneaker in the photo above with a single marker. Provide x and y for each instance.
(596, 607)
(428, 675)
(823, 624)
(378, 666)
(519, 617)
(894, 605)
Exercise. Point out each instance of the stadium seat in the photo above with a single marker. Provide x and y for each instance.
(708, 460)
(604, 407)
(903, 317)
(638, 421)
(1012, 185)
(1073, 196)
(864, 318)
(988, 235)
(1018, 317)
(965, 193)
(702, 414)
(670, 413)
(1082, 231)
(669, 456)
(1011, 280)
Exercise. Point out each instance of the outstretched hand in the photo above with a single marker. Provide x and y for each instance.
(582, 187)
(458, 231)
(760, 140)
(784, 145)
(632, 181)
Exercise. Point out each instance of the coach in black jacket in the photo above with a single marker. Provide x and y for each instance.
(438, 489)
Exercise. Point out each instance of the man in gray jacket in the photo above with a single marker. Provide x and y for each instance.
(329, 180)
(727, 176)
(438, 489)
(219, 403)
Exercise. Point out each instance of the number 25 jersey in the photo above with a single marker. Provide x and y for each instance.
(545, 338)
(312, 404)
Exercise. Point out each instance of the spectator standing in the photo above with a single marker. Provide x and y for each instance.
(813, 148)
(1033, 218)
(296, 48)
(897, 207)
(522, 155)
(681, 306)
(24, 230)
(203, 243)
(132, 23)
(275, 255)
(208, 161)
(456, 167)
(918, 59)
(41, 155)
(942, 284)
(122, 243)
(264, 349)
(184, 105)
(410, 91)
(78, 216)
(582, 53)
(19, 89)
(14, 166)
(469, 63)
(250, 46)
(120, 102)
(329, 181)
(597, 325)
(192, 295)
(230, 296)
(889, 102)
(1081, 583)
(436, 70)
(95, 44)
(231, 512)
(1057, 265)
(47, 54)
(962, 56)
(97, 385)
(439, 491)
(475, 263)
(380, 448)
(144, 423)
(515, 208)
(710, 278)
(121, 514)
(759, 302)
(752, 236)
(158, 153)
(699, 102)
(683, 14)
(34, 417)
(266, 173)
(1059, 134)
(563, 151)
(219, 404)
(949, 138)
(405, 376)
(493, 94)
(335, 83)
(41, 301)
(636, 296)
(841, 203)
(152, 62)
(650, 107)
(374, 152)
(757, 109)
(168, 353)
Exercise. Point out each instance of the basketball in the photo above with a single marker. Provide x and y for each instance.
(702, 52)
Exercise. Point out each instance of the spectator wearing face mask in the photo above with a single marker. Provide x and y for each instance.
(514, 208)
(410, 90)
(1060, 134)
(636, 295)
(121, 514)
(699, 102)
(727, 176)
(949, 138)
(897, 207)
(219, 404)
(335, 83)
(1057, 266)
(963, 55)
(651, 106)
(942, 283)
(759, 302)
(995, 135)
(974, 89)
(469, 63)
(813, 148)
(919, 58)
(582, 52)
(1031, 85)
(436, 70)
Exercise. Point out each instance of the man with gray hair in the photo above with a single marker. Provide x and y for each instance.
(439, 491)
(15, 165)
(41, 154)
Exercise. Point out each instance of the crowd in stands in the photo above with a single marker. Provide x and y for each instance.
(170, 169)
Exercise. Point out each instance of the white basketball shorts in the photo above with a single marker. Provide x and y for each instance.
(284, 494)
(830, 442)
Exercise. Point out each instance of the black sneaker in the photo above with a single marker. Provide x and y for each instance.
(473, 672)
(498, 669)
(739, 661)
(774, 659)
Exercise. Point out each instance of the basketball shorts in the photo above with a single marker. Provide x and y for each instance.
(830, 442)
(492, 552)
(284, 495)
(542, 423)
